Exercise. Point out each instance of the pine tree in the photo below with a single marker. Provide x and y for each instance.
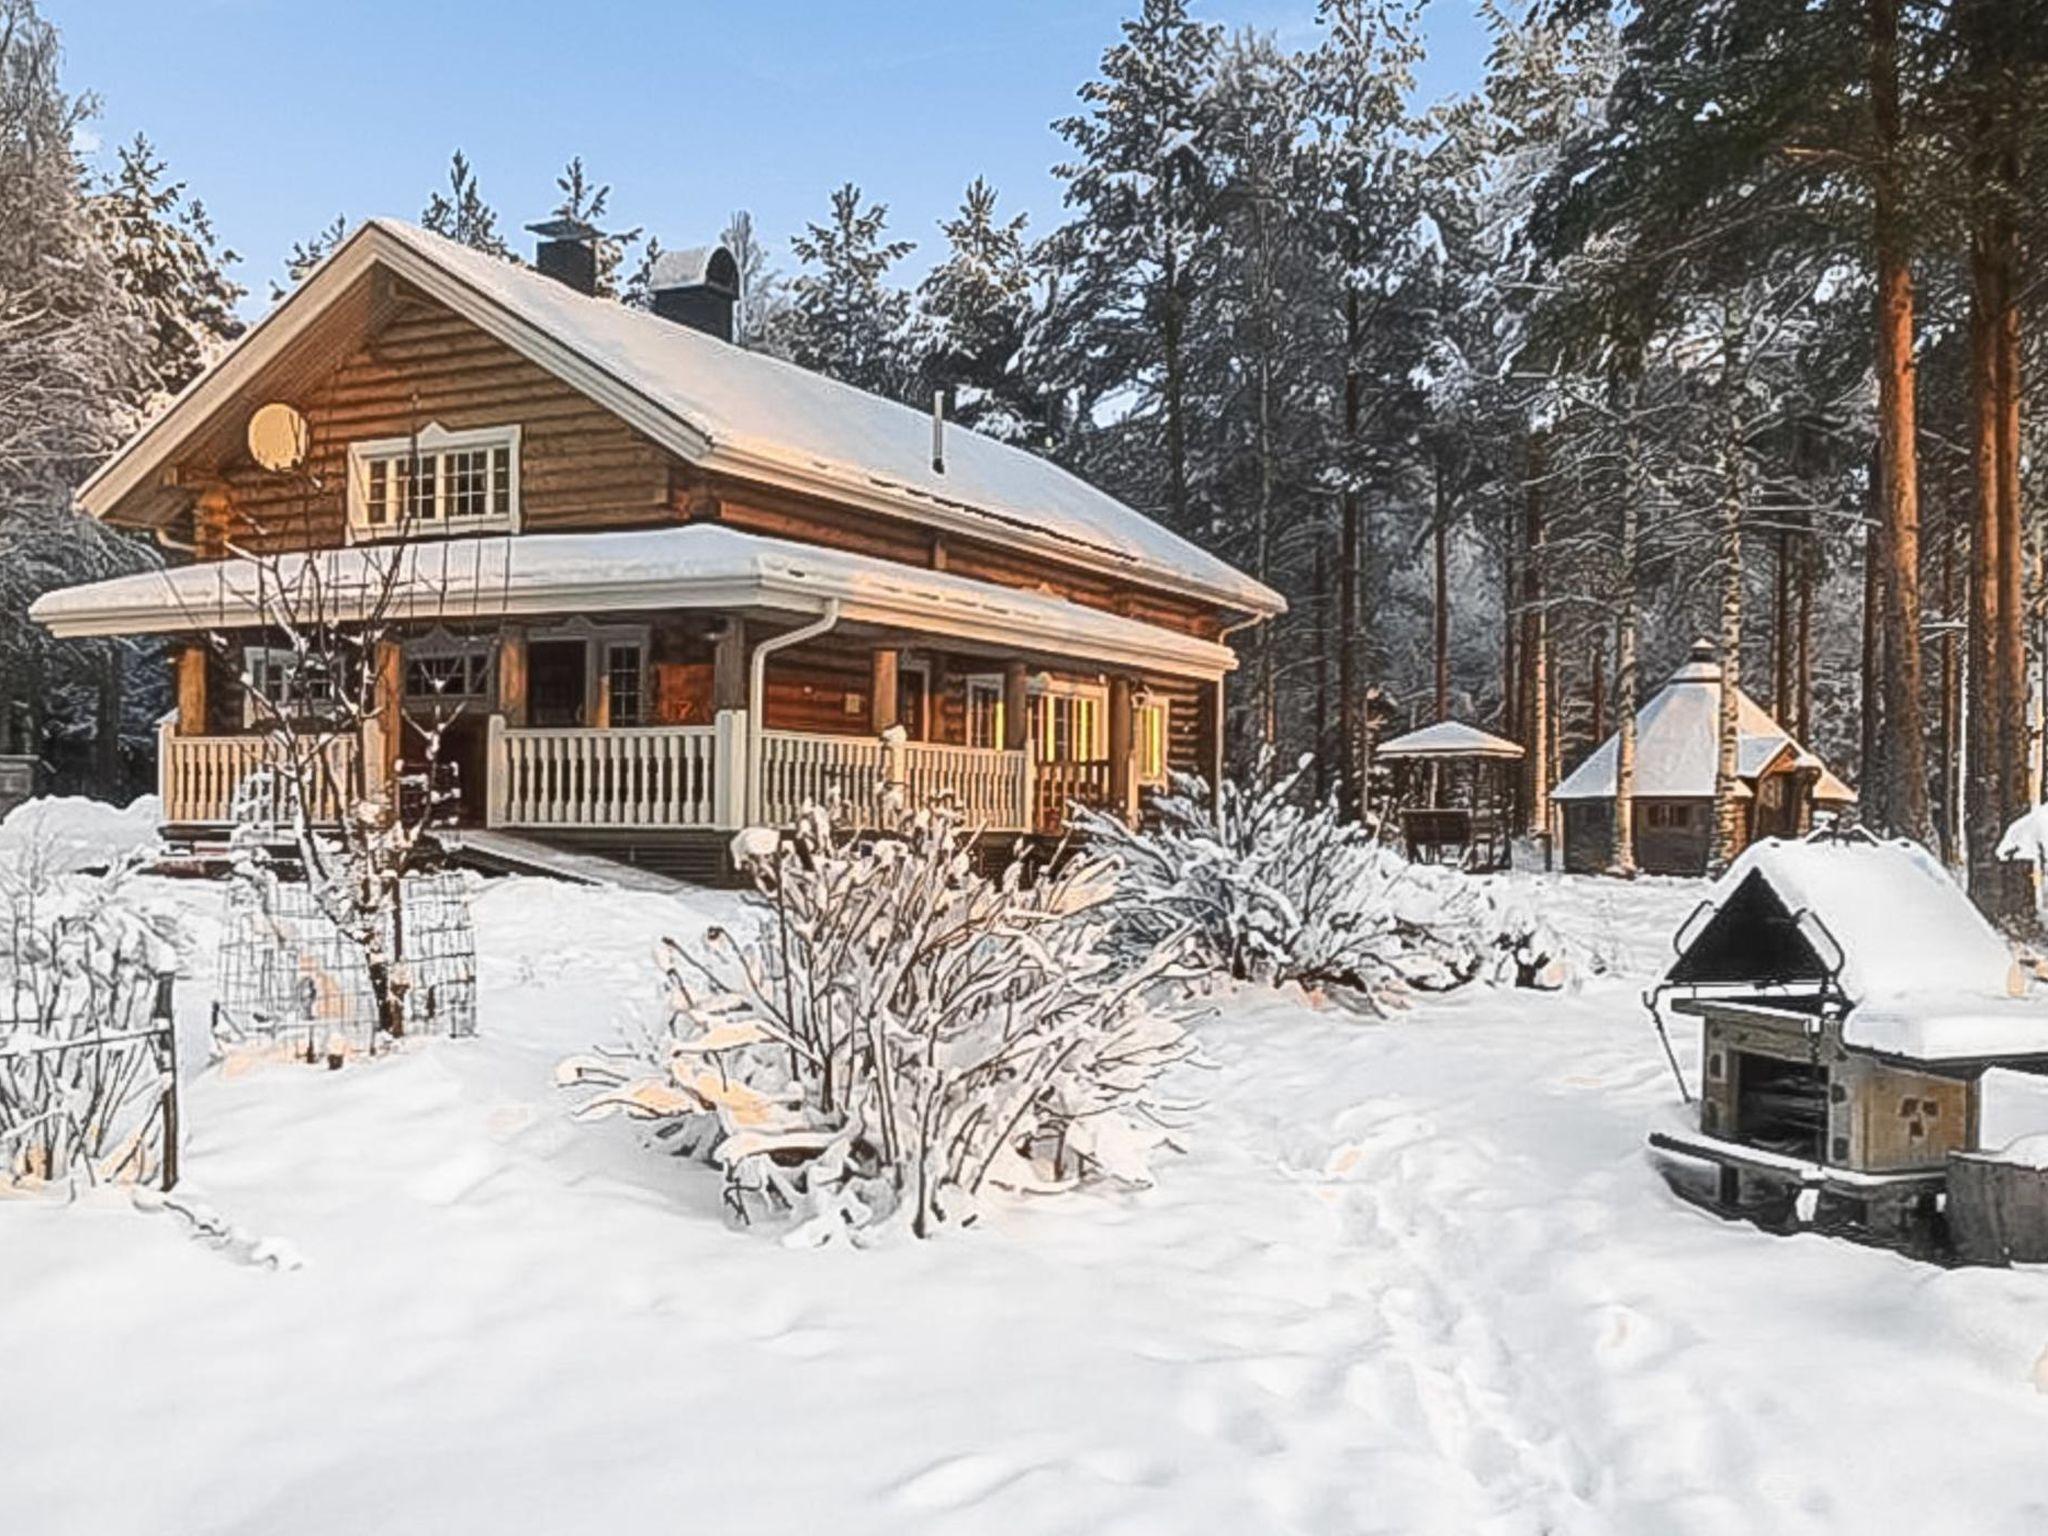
(586, 203)
(1140, 187)
(309, 253)
(461, 214)
(974, 317)
(760, 317)
(167, 258)
(76, 369)
(846, 319)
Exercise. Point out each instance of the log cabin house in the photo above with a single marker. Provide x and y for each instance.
(678, 586)
(1780, 783)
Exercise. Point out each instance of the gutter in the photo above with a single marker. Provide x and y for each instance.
(1222, 718)
(757, 697)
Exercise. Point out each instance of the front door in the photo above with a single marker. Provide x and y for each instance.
(556, 677)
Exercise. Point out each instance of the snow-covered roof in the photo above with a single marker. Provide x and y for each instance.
(696, 565)
(726, 408)
(1449, 738)
(1678, 743)
(1926, 976)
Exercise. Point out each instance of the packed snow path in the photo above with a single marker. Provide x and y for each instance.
(1409, 1277)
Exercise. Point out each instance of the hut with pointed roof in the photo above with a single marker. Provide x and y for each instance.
(1782, 785)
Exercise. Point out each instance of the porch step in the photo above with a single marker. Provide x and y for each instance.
(509, 853)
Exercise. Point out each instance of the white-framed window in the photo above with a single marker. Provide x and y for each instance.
(438, 482)
(625, 679)
(449, 670)
(984, 711)
(1152, 719)
(1068, 722)
(276, 682)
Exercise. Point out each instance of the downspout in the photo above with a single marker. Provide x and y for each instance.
(1216, 764)
(757, 696)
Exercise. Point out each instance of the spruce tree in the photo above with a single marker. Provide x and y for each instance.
(167, 258)
(846, 319)
(461, 214)
(974, 317)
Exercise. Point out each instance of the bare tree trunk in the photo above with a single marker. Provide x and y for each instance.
(106, 757)
(1804, 685)
(1535, 649)
(1322, 725)
(1624, 851)
(1349, 781)
(1951, 699)
(1781, 627)
(1870, 755)
(1441, 628)
(1903, 792)
(1729, 831)
(1599, 730)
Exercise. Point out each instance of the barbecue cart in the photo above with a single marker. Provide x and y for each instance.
(1851, 999)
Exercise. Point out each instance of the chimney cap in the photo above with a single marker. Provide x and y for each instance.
(565, 229)
(702, 266)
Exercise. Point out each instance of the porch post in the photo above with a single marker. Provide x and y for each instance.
(192, 690)
(1123, 797)
(729, 769)
(385, 742)
(495, 786)
(1016, 706)
(729, 666)
(884, 690)
(512, 676)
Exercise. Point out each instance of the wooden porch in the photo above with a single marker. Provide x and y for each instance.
(659, 778)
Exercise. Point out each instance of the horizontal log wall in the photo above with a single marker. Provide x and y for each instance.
(579, 466)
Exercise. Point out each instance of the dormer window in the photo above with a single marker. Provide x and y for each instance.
(435, 483)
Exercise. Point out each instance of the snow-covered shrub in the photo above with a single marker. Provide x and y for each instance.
(83, 1059)
(898, 1034)
(1278, 890)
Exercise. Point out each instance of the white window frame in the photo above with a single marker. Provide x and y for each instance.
(1044, 687)
(988, 685)
(259, 662)
(442, 646)
(433, 441)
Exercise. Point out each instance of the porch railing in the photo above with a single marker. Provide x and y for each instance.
(800, 768)
(200, 778)
(990, 789)
(652, 776)
(696, 777)
(1061, 785)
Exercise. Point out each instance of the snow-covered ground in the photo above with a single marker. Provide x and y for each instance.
(1413, 1276)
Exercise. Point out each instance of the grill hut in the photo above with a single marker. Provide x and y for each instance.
(1850, 1000)
(1780, 783)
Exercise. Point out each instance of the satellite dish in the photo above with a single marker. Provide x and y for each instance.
(278, 436)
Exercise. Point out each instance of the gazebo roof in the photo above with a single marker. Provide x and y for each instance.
(1449, 738)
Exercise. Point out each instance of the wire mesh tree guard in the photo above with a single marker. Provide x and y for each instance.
(287, 972)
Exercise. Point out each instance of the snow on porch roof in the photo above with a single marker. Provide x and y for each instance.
(726, 408)
(1449, 738)
(700, 565)
(1677, 737)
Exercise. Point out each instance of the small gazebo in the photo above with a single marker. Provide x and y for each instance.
(1454, 788)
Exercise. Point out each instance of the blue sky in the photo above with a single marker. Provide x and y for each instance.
(281, 115)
